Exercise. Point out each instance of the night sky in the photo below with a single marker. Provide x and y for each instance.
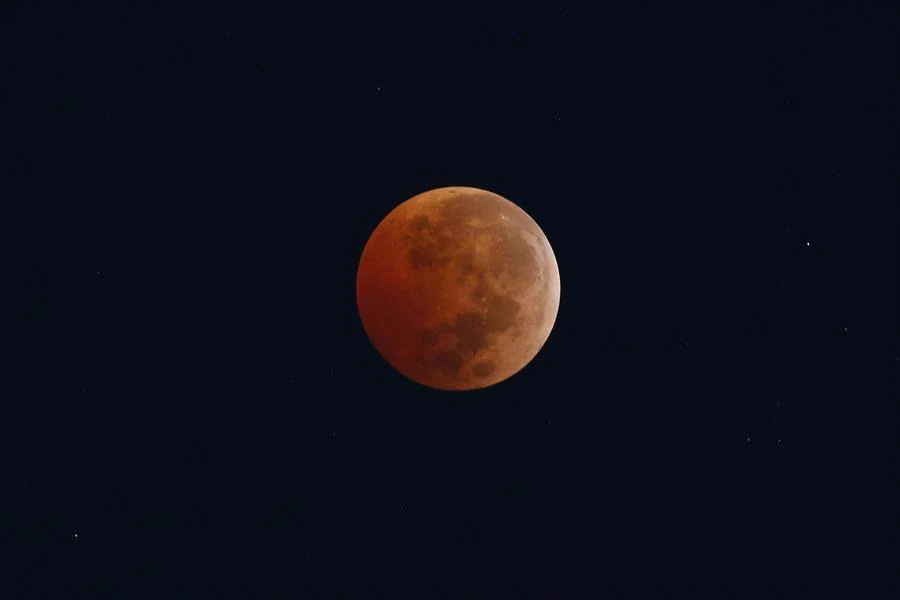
(191, 402)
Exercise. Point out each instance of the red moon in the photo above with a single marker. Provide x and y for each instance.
(458, 288)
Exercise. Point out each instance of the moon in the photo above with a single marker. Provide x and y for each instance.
(458, 288)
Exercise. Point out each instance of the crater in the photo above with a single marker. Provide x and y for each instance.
(515, 257)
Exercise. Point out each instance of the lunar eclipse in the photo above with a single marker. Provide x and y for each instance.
(458, 288)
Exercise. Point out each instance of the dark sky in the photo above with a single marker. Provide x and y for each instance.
(193, 403)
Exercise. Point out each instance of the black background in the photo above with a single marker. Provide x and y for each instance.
(194, 405)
